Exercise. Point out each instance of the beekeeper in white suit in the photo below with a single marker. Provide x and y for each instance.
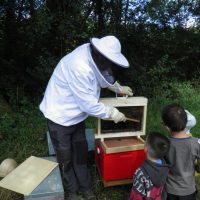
(71, 96)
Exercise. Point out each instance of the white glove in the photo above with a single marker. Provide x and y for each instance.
(117, 116)
(126, 90)
(116, 87)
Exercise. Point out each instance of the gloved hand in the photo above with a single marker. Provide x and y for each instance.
(116, 87)
(117, 116)
(126, 90)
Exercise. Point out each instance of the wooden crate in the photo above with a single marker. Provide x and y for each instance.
(51, 187)
(134, 108)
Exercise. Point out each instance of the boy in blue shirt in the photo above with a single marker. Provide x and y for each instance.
(149, 179)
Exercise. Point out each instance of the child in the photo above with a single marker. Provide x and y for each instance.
(149, 179)
(183, 152)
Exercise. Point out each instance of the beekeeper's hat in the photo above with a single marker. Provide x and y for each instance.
(110, 47)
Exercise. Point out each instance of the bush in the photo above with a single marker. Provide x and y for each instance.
(186, 94)
(24, 132)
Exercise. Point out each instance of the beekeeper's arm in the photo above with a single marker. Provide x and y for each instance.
(82, 87)
(117, 88)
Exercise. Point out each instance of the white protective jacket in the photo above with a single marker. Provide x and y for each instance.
(73, 91)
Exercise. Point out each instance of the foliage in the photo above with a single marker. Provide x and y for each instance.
(36, 34)
(24, 133)
(157, 37)
(186, 94)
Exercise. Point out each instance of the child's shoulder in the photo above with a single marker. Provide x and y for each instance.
(183, 142)
(195, 140)
(194, 143)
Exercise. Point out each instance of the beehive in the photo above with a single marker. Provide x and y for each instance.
(119, 148)
(51, 187)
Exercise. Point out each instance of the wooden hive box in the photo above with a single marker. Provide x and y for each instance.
(51, 187)
(119, 148)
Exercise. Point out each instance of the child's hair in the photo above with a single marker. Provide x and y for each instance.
(174, 117)
(157, 145)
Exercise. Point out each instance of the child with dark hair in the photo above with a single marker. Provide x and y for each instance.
(183, 152)
(149, 179)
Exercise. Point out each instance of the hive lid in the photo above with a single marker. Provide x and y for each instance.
(28, 175)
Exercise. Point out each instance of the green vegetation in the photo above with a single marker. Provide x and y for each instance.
(157, 37)
(185, 94)
(154, 35)
(23, 133)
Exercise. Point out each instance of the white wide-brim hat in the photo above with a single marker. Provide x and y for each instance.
(110, 47)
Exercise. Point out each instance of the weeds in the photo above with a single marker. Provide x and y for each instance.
(23, 131)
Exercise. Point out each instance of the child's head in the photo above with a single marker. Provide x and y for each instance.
(174, 117)
(157, 145)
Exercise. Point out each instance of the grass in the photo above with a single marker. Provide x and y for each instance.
(23, 132)
(23, 135)
(184, 94)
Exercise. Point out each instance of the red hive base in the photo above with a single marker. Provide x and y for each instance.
(117, 166)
